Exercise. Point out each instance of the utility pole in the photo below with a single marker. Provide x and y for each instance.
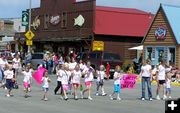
(30, 3)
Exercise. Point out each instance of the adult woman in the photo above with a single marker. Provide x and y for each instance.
(146, 74)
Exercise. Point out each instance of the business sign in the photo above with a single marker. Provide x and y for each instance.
(25, 18)
(160, 32)
(128, 81)
(36, 23)
(54, 20)
(7, 39)
(98, 46)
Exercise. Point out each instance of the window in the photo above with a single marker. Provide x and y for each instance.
(92, 55)
(149, 53)
(46, 21)
(111, 56)
(171, 56)
(64, 20)
(37, 56)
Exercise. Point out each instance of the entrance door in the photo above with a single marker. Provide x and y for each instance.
(159, 55)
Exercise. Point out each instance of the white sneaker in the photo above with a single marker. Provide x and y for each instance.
(111, 97)
(104, 94)
(7, 95)
(97, 94)
(143, 99)
(164, 97)
(158, 98)
(90, 98)
(45, 99)
(150, 99)
(118, 98)
(170, 97)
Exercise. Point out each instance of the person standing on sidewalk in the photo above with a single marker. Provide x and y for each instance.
(146, 74)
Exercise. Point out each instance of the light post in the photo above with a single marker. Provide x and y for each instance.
(30, 3)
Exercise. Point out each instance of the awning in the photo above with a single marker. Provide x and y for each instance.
(136, 48)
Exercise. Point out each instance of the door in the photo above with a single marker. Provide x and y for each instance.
(159, 54)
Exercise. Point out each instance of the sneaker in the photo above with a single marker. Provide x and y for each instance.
(75, 98)
(104, 94)
(90, 98)
(170, 97)
(7, 95)
(118, 98)
(111, 97)
(150, 99)
(158, 98)
(97, 94)
(164, 97)
(66, 98)
(45, 99)
(143, 99)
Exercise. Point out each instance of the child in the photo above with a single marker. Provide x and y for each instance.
(31, 71)
(88, 72)
(168, 84)
(27, 80)
(9, 77)
(45, 86)
(117, 78)
(100, 80)
(76, 78)
(65, 75)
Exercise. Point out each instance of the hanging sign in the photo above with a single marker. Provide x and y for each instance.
(160, 33)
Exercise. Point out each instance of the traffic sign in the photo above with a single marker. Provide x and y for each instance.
(25, 18)
(29, 42)
(29, 35)
(98, 46)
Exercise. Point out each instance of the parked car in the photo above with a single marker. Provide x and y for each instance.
(37, 59)
(101, 57)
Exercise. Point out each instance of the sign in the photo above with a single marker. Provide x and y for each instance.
(29, 35)
(98, 46)
(25, 18)
(128, 81)
(160, 33)
(54, 20)
(172, 106)
(7, 39)
(79, 21)
(36, 23)
(29, 42)
(80, 0)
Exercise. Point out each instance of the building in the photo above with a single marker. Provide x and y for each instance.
(162, 41)
(72, 25)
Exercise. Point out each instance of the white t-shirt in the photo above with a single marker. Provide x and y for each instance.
(168, 83)
(45, 82)
(116, 78)
(64, 76)
(88, 74)
(59, 77)
(161, 73)
(72, 65)
(100, 75)
(9, 74)
(82, 66)
(3, 63)
(76, 76)
(16, 63)
(146, 70)
(27, 76)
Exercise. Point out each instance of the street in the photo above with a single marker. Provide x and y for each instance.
(130, 102)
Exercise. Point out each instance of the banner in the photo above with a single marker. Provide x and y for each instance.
(128, 81)
(39, 74)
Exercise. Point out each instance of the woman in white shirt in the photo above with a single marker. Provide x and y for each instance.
(16, 64)
(146, 74)
(161, 79)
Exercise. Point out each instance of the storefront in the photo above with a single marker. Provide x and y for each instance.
(162, 41)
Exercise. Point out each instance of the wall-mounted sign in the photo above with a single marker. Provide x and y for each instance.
(36, 23)
(160, 32)
(25, 18)
(98, 46)
(54, 20)
(79, 21)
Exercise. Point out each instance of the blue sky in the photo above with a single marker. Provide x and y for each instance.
(13, 8)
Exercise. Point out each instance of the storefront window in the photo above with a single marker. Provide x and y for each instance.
(149, 53)
(171, 56)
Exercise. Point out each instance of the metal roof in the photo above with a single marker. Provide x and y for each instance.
(173, 15)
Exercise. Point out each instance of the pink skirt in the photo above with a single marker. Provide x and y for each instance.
(26, 85)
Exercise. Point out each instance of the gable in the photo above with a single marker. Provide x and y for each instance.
(160, 32)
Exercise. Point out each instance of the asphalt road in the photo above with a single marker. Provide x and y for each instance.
(130, 102)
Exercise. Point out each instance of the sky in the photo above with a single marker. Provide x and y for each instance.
(13, 8)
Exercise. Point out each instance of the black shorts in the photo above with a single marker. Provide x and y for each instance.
(100, 83)
(9, 84)
(161, 82)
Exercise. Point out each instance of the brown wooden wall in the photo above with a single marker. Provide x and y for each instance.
(159, 20)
